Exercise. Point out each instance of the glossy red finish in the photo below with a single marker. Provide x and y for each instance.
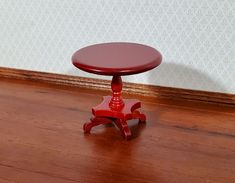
(116, 101)
(116, 59)
(104, 114)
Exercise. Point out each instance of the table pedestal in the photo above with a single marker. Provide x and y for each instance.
(115, 109)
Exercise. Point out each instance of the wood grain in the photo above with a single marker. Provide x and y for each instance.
(41, 139)
(155, 92)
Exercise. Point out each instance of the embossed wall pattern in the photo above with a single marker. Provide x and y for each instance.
(196, 37)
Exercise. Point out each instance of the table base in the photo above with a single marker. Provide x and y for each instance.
(103, 114)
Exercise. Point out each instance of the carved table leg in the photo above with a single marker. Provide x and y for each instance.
(94, 122)
(116, 102)
(117, 110)
(122, 125)
(137, 115)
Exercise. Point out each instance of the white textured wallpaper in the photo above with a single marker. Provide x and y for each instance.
(195, 37)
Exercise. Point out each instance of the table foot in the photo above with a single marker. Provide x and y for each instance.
(137, 115)
(122, 125)
(103, 114)
(95, 122)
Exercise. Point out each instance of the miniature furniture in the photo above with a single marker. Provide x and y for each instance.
(116, 59)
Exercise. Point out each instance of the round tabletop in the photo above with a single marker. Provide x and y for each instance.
(118, 58)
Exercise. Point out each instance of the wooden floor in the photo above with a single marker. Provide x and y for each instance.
(41, 139)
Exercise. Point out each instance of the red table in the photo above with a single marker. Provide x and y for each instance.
(116, 59)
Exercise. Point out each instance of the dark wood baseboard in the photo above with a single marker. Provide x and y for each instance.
(133, 88)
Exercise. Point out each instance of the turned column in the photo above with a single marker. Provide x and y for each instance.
(116, 101)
